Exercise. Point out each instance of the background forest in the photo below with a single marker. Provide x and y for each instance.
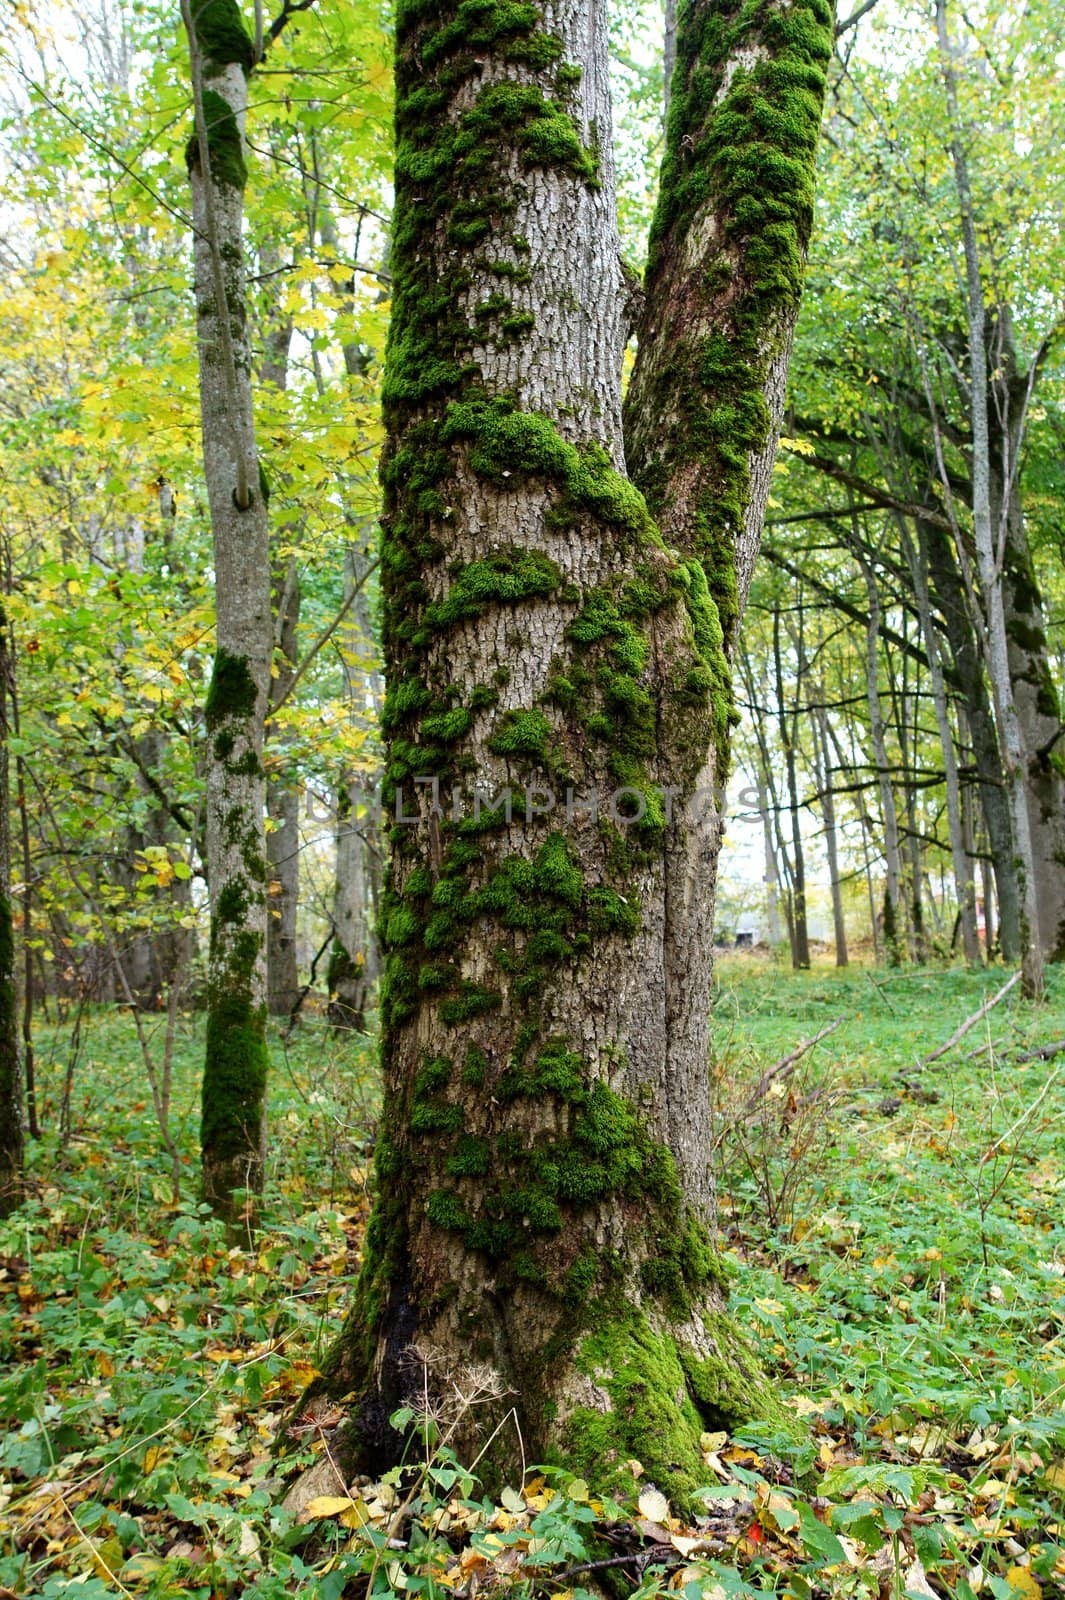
(150, 1356)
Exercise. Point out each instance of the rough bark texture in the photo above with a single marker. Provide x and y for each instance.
(543, 1163)
(235, 1068)
(11, 1114)
(702, 416)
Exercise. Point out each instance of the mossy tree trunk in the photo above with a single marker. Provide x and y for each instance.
(11, 1110)
(234, 1080)
(544, 1192)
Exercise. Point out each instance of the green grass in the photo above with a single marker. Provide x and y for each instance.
(908, 1287)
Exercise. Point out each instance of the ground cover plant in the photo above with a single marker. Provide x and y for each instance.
(896, 1250)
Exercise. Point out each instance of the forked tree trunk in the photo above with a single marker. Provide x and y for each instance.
(543, 1159)
(234, 1081)
(1015, 757)
(11, 1111)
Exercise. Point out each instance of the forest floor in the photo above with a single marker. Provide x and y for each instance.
(896, 1240)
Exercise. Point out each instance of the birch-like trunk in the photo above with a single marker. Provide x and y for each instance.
(823, 771)
(1015, 757)
(234, 1083)
(543, 1159)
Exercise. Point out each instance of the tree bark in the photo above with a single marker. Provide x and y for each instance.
(543, 1161)
(1035, 692)
(1015, 758)
(889, 816)
(994, 804)
(823, 768)
(788, 722)
(353, 963)
(964, 881)
(234, 1082)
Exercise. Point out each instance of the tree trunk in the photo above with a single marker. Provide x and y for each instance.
(888, 813)
(283, 807)
(543, 1160)
(965, 884)
(823, 769)
(1035, 693)
(353, 964)
(234, 1082)
(11, 1111)
(800, 949)
(1015, 757)
(961, 636)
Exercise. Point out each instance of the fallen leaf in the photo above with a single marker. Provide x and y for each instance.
(654, 1505)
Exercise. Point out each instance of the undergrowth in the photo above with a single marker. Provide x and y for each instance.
(910, 1292)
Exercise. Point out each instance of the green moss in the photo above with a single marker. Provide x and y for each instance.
(232, 691)
(472, 1000)
(232, 903)
(507, 577)
(225, 147)
(471, 1157)
(475, 1067)
(741, 145)
(523, 733)
(235, 1070)
(662, 1398)
(221, 35)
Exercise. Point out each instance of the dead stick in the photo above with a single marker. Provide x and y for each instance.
(1044, 1053)
(970, 1022)
(786, 1065)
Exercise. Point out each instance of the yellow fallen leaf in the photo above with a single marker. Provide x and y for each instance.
(328, 1505)
(1055, 1475)
(1022, 1582)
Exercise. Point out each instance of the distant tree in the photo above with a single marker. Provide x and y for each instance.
(234, 1083)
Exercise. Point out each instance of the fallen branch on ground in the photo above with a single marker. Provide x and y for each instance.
(787, 1064)
(970, 1022)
